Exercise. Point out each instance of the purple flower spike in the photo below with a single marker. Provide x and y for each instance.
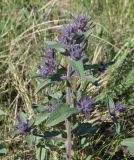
(73, 35)
(23, 127)
(49, 53)
(85, 105)
(81, 22)
(53, 106)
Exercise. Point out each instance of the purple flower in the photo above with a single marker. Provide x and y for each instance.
(23, 127)
(118, 107)
(64, 40)
(74, 53)
(81, 22)
(85, 105)
(70, 30)
(73, 37)
(47, 69)
(49, 53)
(53, 106)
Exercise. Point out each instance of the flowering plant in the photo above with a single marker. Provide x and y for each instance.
(64, 69)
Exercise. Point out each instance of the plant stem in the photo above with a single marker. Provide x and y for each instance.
(68, 124)
(69, 143)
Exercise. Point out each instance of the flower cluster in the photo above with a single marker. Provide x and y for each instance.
(23, 127)
(50, 54)
(73, 36)
(85, 105)
(81, 22)
(48, 67)
(118, 107)
(53, 106)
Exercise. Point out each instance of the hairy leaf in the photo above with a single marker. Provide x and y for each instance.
(42, 85)
(41, 117)
(78, 67)
(61, 113)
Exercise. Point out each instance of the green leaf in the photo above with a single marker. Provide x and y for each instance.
(15, 132)
(42, 85)
(89, 157)
(130, 143)
(77, 66)
(30, 122)
(39, 107)
(56, 95)
(55, 45)
(131, 150)
(43, 153)
(41, 117)
(96, 66)
(83, 129)
(100, 97)
(29, 140)
(23, 117)
(1, 112)
(110, 103)
(87, 34)
(91, 79)
(83, 140)
(49, 134)
(90, 66)
(61, 113)
(2, 149)
(111, 106)
(117, 125)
